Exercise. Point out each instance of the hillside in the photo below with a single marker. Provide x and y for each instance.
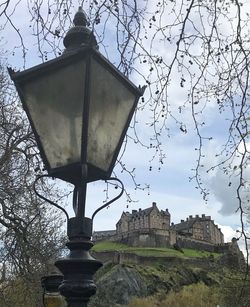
(152, 276)
(106, 246)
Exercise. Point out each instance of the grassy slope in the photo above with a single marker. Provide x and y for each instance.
(180, 285)
(150, 251)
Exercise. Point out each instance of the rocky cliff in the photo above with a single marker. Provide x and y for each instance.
(117, 284)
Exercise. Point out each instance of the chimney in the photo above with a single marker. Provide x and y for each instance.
(172, 224)
(139, 209)
(190, 217)
(154, 204)
(167, 210)
(197, 216)
(134, 211)
(182, 221)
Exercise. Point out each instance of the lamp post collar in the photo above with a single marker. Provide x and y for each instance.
(79, 35)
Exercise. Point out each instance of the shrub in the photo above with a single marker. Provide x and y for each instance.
(198, 295)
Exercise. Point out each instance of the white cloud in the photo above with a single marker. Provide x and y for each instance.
(228, 232)
(224, 190)
(224, 183)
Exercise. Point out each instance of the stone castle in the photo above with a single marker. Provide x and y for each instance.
(152, 227)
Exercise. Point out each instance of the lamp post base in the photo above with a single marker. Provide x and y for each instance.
(78, 267)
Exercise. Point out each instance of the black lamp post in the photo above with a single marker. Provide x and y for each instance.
(79, 106)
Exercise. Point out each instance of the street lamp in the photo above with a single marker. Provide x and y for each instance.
(79, 106)
(50, 284)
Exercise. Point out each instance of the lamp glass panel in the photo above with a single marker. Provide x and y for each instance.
(110, 105)
(55, 104)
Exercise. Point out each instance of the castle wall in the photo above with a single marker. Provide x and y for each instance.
(198, 232)
(139, 222)
(123, 224)
(172, 237)
(191, 243)
(126, 257)
(145, 238)
(158, 220)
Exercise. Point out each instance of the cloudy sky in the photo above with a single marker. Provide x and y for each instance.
(170, 187)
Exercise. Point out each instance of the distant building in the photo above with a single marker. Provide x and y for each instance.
(148, 227)
(200, 228)
(104, 235)
(151, 227)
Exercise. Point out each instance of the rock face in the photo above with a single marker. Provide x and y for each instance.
(118, 286)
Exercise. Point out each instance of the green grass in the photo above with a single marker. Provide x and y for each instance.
(150, 251)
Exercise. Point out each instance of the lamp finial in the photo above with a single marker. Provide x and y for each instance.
(79, 35)
(80, 18)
